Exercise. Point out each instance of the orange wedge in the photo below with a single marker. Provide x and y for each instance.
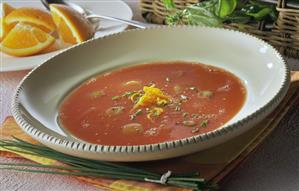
(32, 16)
(5, 28)
(25, 40)
(71, 26)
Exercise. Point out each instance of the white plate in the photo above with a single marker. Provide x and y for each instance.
(114, 8)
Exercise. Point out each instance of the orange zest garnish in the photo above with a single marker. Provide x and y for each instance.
(152, 97)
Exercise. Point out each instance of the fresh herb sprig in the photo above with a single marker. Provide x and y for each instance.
(217, 12)
(76, 166)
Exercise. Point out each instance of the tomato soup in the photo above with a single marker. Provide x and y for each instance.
(152, 103)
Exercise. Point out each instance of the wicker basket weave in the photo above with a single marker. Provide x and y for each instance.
(284, 34)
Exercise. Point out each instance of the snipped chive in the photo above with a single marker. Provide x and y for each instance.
(204, 123)
(138, 112)
(128, 94)
(116, 98)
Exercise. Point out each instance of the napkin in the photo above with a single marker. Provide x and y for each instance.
(214, 164)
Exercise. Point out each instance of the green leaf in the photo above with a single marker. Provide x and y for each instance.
(200, 20)
(238, 17)
(202, 14)
(204, 20)
(175, 19)
(226, 7)
(261, 13)
(169, 4)
(210, 5)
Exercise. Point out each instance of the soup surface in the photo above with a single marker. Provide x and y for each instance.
(152, 103)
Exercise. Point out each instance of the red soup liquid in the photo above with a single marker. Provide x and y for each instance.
(152, 103)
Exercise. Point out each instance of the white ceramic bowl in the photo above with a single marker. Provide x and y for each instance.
(256, 63)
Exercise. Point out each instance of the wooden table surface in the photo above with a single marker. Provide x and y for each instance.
(275, 165)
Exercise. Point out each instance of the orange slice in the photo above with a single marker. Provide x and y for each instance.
(5, 28)
(25, 40)
(32, 16)
(71, 26)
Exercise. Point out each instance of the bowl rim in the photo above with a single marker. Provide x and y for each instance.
(91, 147)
